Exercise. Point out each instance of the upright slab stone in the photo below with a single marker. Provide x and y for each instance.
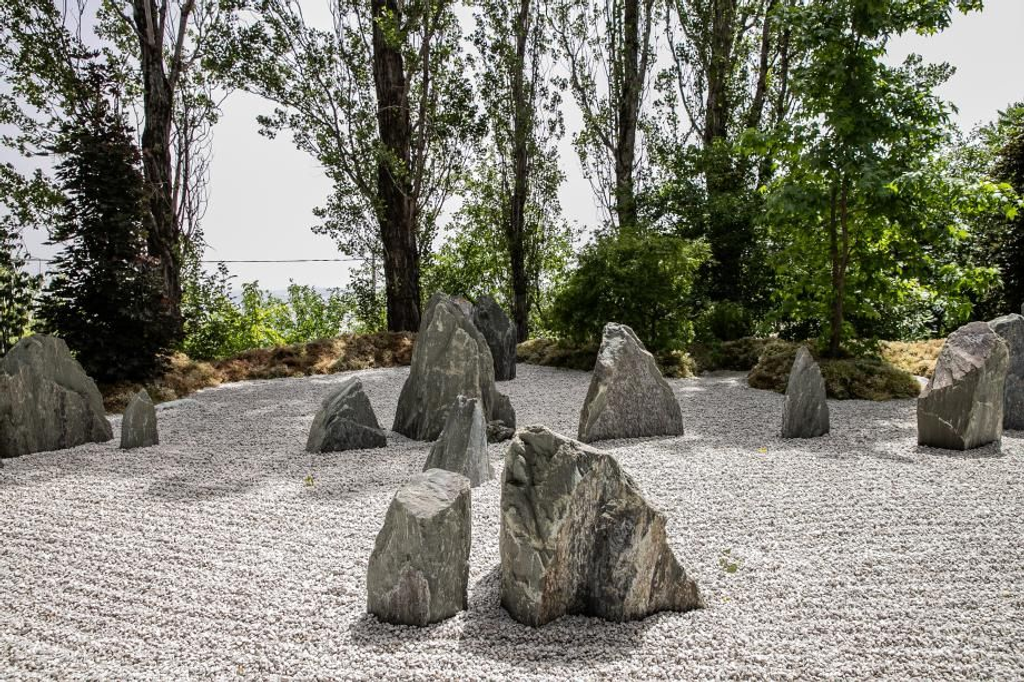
(138, 426)
(345, 421)
(628, 397)
(419, 570)
(500, 334)
(962, 406)
(1011, 329)
(805, 414)
(577, 537)
(47, 402)
(450, 358)
(462, 446)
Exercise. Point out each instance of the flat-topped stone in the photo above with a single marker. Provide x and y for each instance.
(1011, 329)
(138, 425)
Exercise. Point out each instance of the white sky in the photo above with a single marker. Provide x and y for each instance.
(263, 191)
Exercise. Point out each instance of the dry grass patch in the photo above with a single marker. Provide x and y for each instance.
(916, 357)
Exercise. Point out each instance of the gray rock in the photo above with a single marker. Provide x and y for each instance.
(500, 334)
(138, 427)
(577, 537)
(805, 414)
(1011, 329)
(47, 402)
(450, 358)
(345, 421)
(497, 432)
(962, 406)
(419, 570)
(628, 397)
(462, 446)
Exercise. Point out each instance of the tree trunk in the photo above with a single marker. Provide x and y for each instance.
(522, 132)
(839, 248)
(163, 234)
(396, 212)
(632, 67)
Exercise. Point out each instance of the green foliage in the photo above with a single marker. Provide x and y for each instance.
(17, 289)
(642, 279)
(103, 298)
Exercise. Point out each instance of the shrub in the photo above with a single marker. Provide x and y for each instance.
(567, 355)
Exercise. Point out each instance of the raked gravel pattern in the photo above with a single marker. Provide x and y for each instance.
(228, 552)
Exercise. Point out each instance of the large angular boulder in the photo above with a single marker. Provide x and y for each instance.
(345, 421)
(1011, 329)
(462, 446)
(138, 426)
(47, 402)
(805, 414)
(500, 334)
(962, 406)
(577, 537)
(450, 358)
(419, 570)
(628, 397)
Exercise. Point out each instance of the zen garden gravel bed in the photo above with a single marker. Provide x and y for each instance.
(229, 552)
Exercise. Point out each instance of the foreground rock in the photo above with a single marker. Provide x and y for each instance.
(577, 537)
(419, 570)
(47, 402)
(138, 427)
(805, 414)
(1011, 329)
(500, 334)
(450, 358)
(628, 397)
(345, 421)
(462, 446)
(962, 406)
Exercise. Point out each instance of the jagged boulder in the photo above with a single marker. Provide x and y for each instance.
(462, 445)
(47, 402)
(138, 426)
(1011, 329)
(805, 414)
(577, 537)
(345, 421)
(628, 397)
(500, 335)
(497, 432)
(962, 406)
(419, 570)
(450, 358)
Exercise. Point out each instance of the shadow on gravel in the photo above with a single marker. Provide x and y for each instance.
(990, 451)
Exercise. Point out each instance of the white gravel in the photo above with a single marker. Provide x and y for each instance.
(856, 555)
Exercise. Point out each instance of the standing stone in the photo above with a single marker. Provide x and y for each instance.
(138, 427)
(1011, 329)
(962, 406)
(577, 537)
(419, 570)
(805, 414)
(462, 447)
(500, 334)
(345, 421)
(450, 358)
(47, 402)
(628, 397)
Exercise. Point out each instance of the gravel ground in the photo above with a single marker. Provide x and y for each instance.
(856, 555)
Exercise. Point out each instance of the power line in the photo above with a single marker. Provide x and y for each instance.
(254, 260)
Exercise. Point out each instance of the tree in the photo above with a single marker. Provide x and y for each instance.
(524, 121)
(103, 296)
(859, 185)
(17, 289)
(609, 52)
(1007, 136)
(382, 100)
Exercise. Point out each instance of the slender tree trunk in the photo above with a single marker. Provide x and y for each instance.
(632, 69)
(163, 233)
(522, 131)
(397, 213)
(839, 248)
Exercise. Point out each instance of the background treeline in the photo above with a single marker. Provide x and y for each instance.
(762, 168)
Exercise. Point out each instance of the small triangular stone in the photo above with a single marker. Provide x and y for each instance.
(138, 427)
(345, 421)
(805, 414)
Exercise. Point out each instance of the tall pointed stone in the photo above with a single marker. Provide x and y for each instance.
(577, 537)
(1011, 329)
(462, 446)
(450, 358)
(962, 406)
(47, 401)
(628, 397)
(138, 425)
(500, 334)
(805, 414)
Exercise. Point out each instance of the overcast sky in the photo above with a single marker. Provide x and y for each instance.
(263, 191)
